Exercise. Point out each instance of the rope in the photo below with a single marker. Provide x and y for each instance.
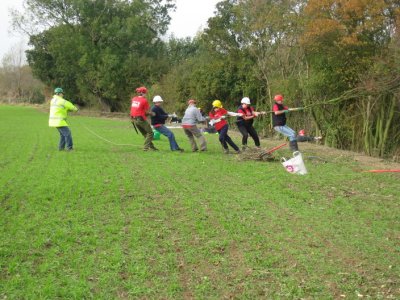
(345, 96)
(102, 138)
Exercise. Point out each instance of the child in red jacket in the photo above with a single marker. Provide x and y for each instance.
(217, 118)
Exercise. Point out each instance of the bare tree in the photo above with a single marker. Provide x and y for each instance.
(16, 79)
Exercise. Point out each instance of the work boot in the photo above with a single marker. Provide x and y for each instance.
(293, 146)
(226, 151)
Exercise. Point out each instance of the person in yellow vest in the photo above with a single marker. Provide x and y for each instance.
(59, 108)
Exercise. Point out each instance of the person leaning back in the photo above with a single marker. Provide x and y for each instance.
(279, 122)
(158, 122)
(140, 109)
(189, 123)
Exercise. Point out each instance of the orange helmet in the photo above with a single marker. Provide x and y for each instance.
(278, 98)
(141, 90)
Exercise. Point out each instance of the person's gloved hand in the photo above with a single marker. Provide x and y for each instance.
(223, 117)
(212, 122)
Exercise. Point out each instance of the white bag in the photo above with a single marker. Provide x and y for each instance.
(295, 164)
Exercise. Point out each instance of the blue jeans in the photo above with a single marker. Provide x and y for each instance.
(225, 139)
(286, 131)
(169, 134)
(65, 138)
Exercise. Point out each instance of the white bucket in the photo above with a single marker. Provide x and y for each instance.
(295, 165)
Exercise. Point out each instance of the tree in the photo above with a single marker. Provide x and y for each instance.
(343, 41)
(98, 50)
(16, 79)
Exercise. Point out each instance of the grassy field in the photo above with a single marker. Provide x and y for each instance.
(114, 222)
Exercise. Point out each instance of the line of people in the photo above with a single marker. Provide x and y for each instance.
(141, 110)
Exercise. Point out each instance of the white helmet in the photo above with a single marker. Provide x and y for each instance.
(157, 99)
(245, 100)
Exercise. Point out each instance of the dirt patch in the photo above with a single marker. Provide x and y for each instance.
(321, 154)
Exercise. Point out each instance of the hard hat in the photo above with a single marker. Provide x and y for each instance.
(157, 99)
(217, 103)
(141, 90)
(191, 101)
(278, 98)
(302, 132)
(58, 90)
(245, 100)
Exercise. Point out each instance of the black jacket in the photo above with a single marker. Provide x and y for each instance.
(160, 116)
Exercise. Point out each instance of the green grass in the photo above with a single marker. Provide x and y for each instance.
(114, 222)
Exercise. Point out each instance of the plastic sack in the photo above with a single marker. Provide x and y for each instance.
(156, 135)
(295, 165)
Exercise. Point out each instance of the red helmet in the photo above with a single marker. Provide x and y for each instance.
(278, 98)
(141, 90)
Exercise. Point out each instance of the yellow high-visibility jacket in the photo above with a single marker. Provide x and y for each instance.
(59, 108)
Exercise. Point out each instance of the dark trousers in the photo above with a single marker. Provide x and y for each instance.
(246, 130)
(225, 139)
(303, 138)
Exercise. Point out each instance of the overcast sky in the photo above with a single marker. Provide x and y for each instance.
(189, 17)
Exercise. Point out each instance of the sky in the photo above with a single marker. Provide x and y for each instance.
(190, 17)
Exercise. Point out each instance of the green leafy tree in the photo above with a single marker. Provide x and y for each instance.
(100, 50)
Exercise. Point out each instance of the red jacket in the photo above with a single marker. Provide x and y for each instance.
(139, 107)
(216, 114)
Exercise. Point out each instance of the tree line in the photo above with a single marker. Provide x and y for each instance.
(17, 83)
(338, 58)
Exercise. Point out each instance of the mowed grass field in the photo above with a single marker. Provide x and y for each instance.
(114, 222)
